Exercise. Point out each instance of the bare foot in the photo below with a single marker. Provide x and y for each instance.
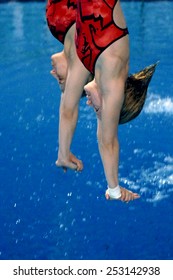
(73, 163)
(126, 195)
(59, 71)
(94, 97)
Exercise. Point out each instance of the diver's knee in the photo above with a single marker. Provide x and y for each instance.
(68, 115)
(67, 112)
(108, 144)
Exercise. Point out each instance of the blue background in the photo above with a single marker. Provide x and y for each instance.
(46, 214)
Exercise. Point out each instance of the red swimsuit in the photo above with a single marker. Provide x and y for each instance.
(60, 15)
(96, 29)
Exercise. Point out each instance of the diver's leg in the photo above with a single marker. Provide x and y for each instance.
(69, 104)
(110, 74)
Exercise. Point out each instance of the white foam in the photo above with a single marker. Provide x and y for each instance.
(168, 159)
(156, 104)
(154, 183)
(159, 175)
(157, 197)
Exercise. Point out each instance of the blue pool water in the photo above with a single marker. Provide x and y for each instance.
(46, 214)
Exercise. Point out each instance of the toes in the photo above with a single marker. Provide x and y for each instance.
(73, 163)
(79, 165)
(130, 196)
(136, 196)
(77, 162)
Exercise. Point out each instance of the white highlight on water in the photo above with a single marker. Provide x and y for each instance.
(157, 104)
(154, 183)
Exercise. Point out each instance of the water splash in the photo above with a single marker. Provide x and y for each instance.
(154, 183)
(156, 104)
